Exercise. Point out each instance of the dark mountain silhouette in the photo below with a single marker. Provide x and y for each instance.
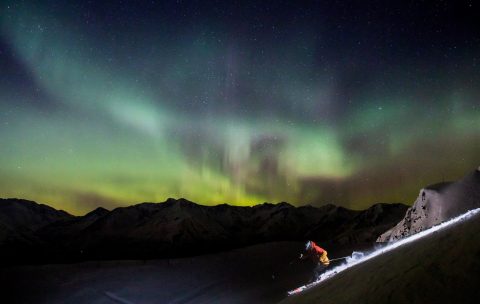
(64, 228)
(19, 219)
(21, 214)
(436, 204)
(179, 228)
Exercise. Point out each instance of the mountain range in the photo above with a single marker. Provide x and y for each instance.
(37, 233)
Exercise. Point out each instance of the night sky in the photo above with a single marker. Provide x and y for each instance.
(315, 102)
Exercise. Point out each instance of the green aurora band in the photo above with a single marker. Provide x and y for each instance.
(140, 113)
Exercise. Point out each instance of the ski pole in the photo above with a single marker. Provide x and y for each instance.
(340, 258)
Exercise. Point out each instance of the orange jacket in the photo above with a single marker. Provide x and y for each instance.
(318, 254)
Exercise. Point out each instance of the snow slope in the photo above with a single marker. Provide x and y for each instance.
(439, 265)
(256, 274)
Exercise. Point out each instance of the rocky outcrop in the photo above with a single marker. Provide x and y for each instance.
(436, 204)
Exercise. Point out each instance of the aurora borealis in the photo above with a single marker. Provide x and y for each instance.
(351, 103)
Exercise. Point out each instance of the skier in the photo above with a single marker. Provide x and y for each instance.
(318, 255)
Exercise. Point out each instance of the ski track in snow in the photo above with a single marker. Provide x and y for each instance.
(360, 258)
(116, 298)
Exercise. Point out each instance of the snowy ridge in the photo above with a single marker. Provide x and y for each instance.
(358, 258)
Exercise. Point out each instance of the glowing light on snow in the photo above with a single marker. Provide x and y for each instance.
(358, 257)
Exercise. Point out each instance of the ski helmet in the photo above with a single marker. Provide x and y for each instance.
(308, 245)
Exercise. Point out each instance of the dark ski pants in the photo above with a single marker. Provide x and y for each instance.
(319, 269)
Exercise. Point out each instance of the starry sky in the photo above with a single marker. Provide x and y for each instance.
(311, 102)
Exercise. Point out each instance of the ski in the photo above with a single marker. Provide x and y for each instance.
(310, 285)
